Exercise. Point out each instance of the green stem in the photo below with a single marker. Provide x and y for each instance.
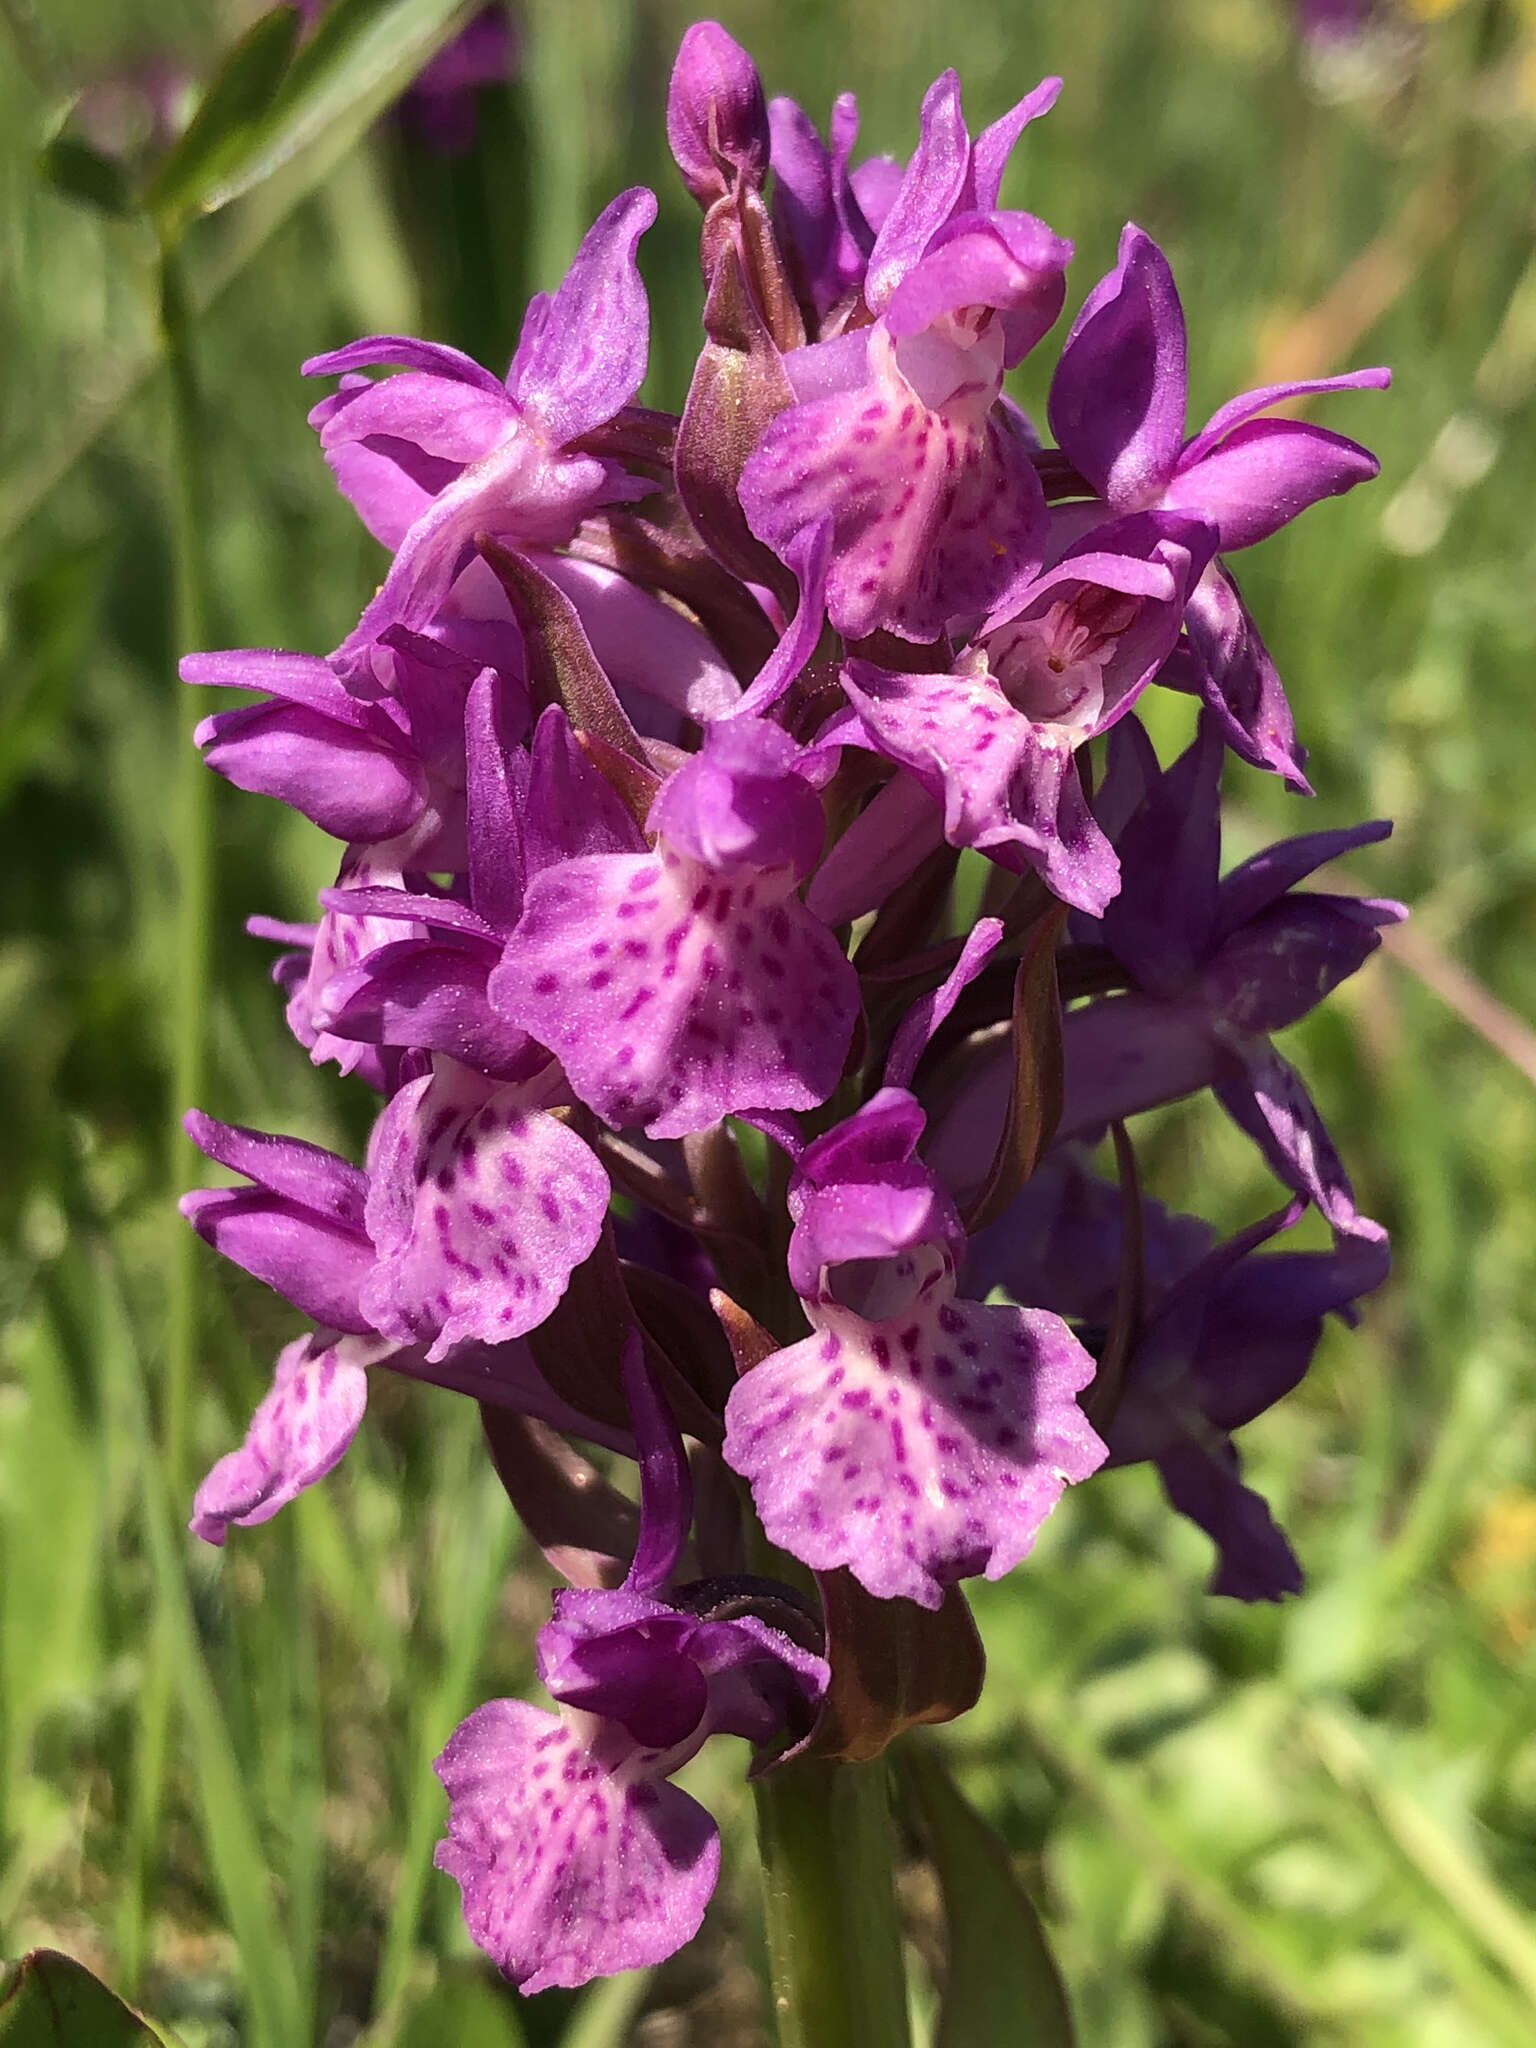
(193, 851)
(834, 1938)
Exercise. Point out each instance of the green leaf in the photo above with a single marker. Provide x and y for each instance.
(83, 174)
(1002, 1983)
(48, 2000)
(466, 2006)
(225, 130)
(361, 57)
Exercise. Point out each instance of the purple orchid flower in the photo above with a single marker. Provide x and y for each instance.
(1117, 408)
(575, 1855)
(316, 954)
(913, 1438)
(896, 436)
(1226, 1332)
(690, 983)
(476, 1207)
(994, 740)
(446, 450)
(1216, 964)
(374, 756)
(427, 985)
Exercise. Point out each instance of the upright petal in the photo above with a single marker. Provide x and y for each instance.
(995, 144)
(1117, 399)
(930, 190)
(582, 354)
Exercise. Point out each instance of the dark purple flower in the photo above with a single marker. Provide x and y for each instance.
(1216, 964)
(1226, 1333)
(441, 105)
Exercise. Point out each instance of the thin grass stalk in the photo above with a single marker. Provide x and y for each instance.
(193, 856)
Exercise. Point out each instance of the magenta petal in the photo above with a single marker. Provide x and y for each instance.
(643, 644)
(298, 1433)
(1237, 410)
(426, 993)
(479, 1208)
(1263, 474)
(917, 1451)
(809, 555)
(896, 830)
(342, 780)
(934, 513)
(931, 188)
(1238, 681)
(929, 1011)
(290, 1167)
(388, 494)
(571, 1868)
(400, 351)
(1009, 261)
(306, 679)
(582, 354)
(995, 144)
(522, 490)
(455, 422)
(666, 1484)
(347, 933)
(672, 996)
(1118, 395)
(320, 1266)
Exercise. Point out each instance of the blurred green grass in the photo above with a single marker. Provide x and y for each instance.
(1247, 1827)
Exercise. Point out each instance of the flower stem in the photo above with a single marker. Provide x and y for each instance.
(834, 1939)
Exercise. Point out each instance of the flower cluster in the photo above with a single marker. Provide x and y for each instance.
(653, 758)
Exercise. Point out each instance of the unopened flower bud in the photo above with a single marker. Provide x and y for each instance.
(717, 118)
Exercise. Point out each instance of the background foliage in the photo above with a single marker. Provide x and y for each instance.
(1308, 1824)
